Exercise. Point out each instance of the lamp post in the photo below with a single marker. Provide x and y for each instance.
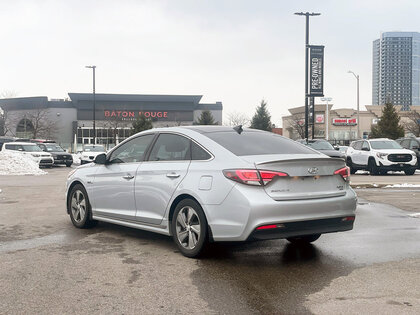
(327, 111)
(358, 109)
(94, 104)
(307, 15)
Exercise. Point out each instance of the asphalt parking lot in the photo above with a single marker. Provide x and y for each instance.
(48, 266)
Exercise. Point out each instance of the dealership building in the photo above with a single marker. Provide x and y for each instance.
(70, 120)
(341, 123)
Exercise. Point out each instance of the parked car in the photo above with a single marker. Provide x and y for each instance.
(60, 156)
(90, 151)
(31, 150)
(323, 146)
(412, 144)
(378, 156)
(214, 183)
(5, 139)
(343, 149)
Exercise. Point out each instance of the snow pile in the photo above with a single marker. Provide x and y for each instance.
(18, 164)
(404, 185)
(76, 158)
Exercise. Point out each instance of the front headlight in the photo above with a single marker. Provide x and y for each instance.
(381, 155)
(35, 155)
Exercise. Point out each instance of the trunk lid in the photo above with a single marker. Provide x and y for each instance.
(311, 176)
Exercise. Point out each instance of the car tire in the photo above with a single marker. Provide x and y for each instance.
(79, 208)
(68, 164)
(189, 228)
(306, 239)
(350, 165)
(410, 172)
(372, 167)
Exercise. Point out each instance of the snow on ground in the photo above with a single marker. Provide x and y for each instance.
(404, 185)
(18, 164)
(76, 158)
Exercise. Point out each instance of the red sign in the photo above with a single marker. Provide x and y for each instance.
(344, 121)
(134, 114)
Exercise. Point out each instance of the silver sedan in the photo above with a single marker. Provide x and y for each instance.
(205, 184)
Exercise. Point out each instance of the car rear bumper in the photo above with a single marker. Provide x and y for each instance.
(301, 228)
(246, 208)
(62, 162)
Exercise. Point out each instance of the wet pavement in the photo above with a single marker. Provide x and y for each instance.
(47, 266)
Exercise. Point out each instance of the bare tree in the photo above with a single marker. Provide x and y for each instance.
(297, 125)
(3, 114)
(412, 123)
(237, 118)
(36, 122)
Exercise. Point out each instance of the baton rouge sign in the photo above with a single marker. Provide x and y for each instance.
(125, 114)
(316, 75)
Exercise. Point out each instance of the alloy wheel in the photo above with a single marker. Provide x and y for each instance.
(78, 206)
(188, 227)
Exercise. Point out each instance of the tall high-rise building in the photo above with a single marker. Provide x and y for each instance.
(396, 69)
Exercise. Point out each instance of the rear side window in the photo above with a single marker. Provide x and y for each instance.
(257, 143)
(170, 147)
(358, 145)
(198, 153)
(10, 146)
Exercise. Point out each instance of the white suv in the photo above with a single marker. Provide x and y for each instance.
(378, 156)
(31, 150)
(90, 151)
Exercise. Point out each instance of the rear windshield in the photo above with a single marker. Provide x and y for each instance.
(257, 143)
(320, 145)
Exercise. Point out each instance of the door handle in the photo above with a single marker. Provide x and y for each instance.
(128, 176)
(173, 175)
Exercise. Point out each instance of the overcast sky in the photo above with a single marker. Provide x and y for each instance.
(234, 51)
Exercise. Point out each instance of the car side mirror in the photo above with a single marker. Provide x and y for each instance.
(336, 148)
(415, 148)
(100, 159)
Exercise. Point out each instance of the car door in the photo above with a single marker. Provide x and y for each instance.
(355, 157)
(112, 190)
(365, 153)
(159, 176)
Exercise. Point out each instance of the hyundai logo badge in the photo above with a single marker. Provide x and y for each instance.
(313, 170)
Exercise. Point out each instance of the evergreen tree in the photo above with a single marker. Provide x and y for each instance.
(206, 118)
(141, 123)
(389, 125)
(261, 119)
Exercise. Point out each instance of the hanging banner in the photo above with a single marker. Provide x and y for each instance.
(316, 71)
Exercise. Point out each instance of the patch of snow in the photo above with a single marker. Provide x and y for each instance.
(76, 158)
(18, 164)
(415, 215)
(0, 191)
(404, 185)
(375, 185)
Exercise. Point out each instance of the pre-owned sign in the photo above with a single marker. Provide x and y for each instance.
(344, 121)
(316, 73)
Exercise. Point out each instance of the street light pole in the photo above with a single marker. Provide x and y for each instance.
(358, 108)
(327, 121)
(307, 15)
(94, 104)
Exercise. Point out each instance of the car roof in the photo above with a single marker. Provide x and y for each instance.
(210, 128)
(381, 139)
(21, 143)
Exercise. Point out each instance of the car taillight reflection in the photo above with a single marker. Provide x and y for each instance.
(253, 177)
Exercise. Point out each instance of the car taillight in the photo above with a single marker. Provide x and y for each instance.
(252, 177)
(343, 172)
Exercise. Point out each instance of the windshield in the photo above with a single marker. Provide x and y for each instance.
(96, 148)
(31, 148)
(320, 145)
(385, 144)
(256, 143)
(54, 148)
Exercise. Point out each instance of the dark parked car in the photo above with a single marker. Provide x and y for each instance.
(323, 146)
(58, 153)
(412, 144)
